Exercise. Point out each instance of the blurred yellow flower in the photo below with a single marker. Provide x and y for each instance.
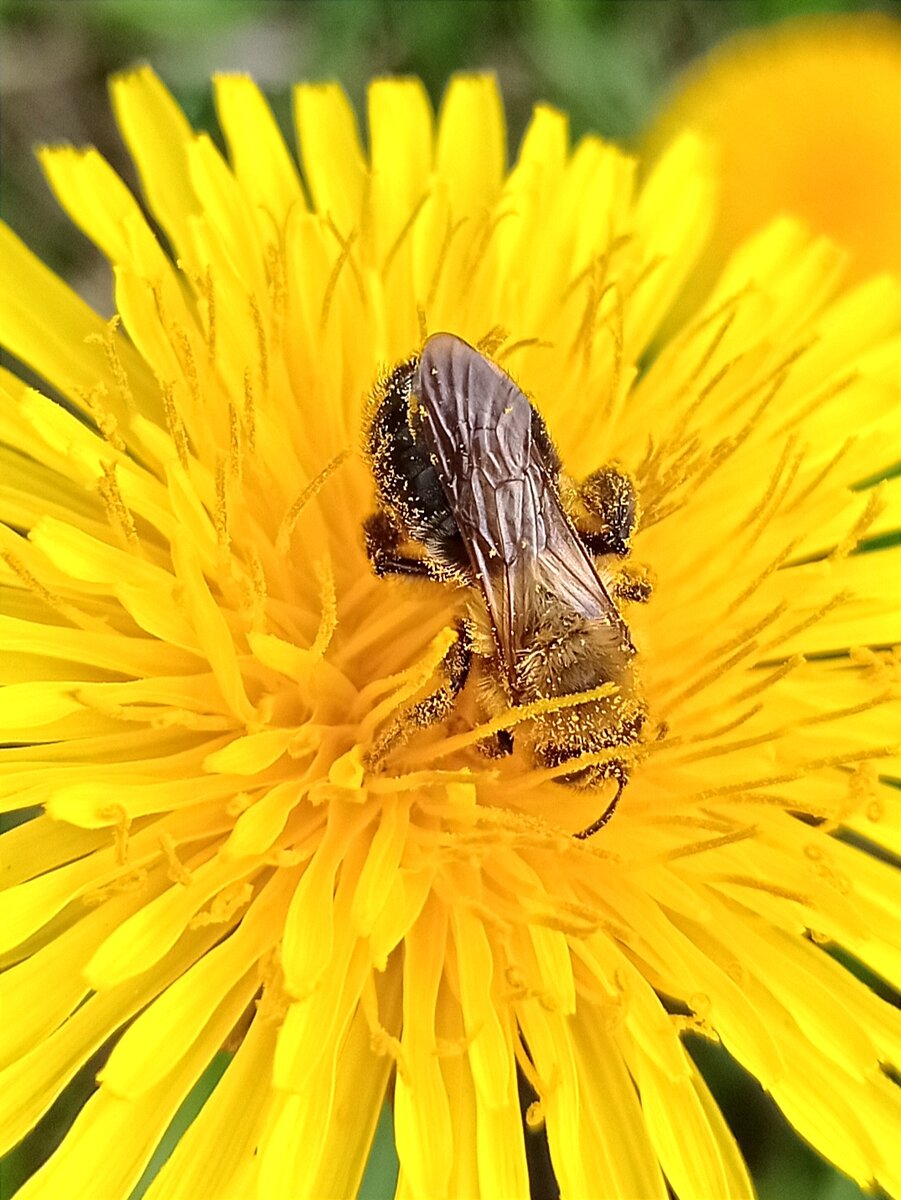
(196, 658)
(806, 119)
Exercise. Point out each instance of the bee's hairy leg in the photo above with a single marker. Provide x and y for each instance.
(631, 584)
(609, 496)
(435, 707)
(383, 539)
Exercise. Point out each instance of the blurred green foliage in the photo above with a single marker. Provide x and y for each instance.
(609, 63)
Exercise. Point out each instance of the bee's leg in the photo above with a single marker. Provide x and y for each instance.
(383, 539)
(609, 496)
(605, 815)
(631, 584)
(437, 706)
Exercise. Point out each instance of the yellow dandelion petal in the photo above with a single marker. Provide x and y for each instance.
(268, 827)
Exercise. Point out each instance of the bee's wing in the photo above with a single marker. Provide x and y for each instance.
(479, 429)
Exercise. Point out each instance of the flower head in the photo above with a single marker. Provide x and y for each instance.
(199, 661)
(804, 120)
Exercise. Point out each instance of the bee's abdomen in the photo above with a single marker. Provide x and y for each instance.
(405, 476)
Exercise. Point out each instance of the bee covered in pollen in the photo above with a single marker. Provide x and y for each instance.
(469, 493)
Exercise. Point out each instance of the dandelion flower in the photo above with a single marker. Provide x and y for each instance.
(806, 119)
(197, 660)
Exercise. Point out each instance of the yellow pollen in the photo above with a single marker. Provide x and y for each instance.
(784, 669)
(328, 601)
(808, 622)
(108, 341)
(774, 491)
(443, 254)
(274, 1002)
(821, 476)
(175, 868)
(102, 418)
(120, 832)
(255, 591)
(422, 323)
(310, 491)
(598, 266)
(523, 344)
(238, 804)
(174, 424)
(824, 397)
(209, 296)
(226, 905)
(234, 443)
(220, 515)
(697, 1025)
(804, 768)
(528, 1067)
(875, 812)
(774, 379)
(617, 332)
(130, 881)
(535, 1116)
(344, 256)
(875, 507)
(278, 292)
(691, 849)
(180, 343)
(762, 885)
(250, 418)
(710, 735)
(770, 569)
(718, 671)
(406, 230)
(57, 603)
(117, 512)
(714, 343)
(262, 348)
(492, 341)
(515, 716)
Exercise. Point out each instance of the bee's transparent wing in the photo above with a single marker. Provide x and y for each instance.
(480, 431)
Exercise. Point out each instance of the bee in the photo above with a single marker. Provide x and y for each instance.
(470, 493)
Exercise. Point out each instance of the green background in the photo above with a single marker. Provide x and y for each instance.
(610, 63)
